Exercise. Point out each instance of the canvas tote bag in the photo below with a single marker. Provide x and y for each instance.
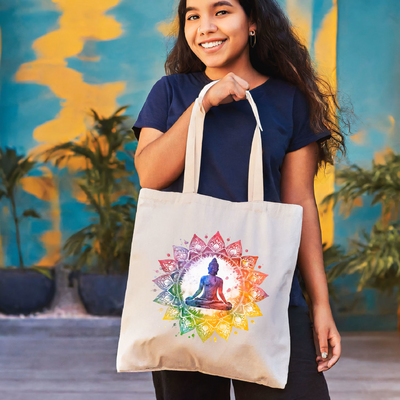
(209, 279)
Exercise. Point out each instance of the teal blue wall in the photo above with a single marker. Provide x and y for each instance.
(368, 52)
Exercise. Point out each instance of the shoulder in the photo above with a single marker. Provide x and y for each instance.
(277, 91)
(160, 89)
(288, 89)
(292, 94)
(168, 86)
(282, 85)
(180, 81)
(177, 86)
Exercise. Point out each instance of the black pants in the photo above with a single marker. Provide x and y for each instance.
(304, 380)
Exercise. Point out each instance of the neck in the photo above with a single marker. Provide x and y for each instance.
(241, 68)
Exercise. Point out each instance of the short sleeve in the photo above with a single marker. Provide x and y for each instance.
(302, 132)
(154, 113)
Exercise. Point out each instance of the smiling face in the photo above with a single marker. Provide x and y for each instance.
(218, 32)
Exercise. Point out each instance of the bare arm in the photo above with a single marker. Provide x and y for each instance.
(160, 157)
(297, 187)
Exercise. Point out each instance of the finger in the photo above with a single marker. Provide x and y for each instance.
(320, 360)
(238, 98)
(333, 361)
(238, 93)
(244, 84)
(316, 343)
(323, 343)
(336, 351)
(323, 366)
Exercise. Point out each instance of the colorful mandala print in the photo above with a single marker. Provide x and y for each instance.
(210, 287)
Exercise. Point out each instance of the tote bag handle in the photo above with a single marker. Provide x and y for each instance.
(194, 144)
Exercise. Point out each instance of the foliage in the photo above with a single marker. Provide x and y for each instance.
(105, 248)
(382, 181)
(375, 257)
(13, 167)
(332, 256)
(104, 245)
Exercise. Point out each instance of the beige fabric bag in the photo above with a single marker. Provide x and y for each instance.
(209, 279)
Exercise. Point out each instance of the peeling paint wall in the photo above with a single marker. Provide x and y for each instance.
(59, 58)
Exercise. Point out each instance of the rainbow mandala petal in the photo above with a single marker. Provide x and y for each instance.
(212, 321)
(234, 249)
(186, 325)
(223, 329)
(165, 298)
(180, 253)
(257, 294)
(249, 262)
(168, 265)
(164, 282)
(204, 331)
(216, 243)
(252, 310)
(171, 313)
(240, 321)
(197, 245)
(210, 287)
(256, 277)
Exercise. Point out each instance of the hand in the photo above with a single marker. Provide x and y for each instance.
(326, 338)
(230, 88)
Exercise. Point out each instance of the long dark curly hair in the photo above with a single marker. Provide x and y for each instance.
(279, 53)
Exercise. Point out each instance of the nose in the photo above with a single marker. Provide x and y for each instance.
(206, 26)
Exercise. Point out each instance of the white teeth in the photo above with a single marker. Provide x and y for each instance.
(211, 44)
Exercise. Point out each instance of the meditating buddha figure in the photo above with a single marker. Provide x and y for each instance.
(210, 284)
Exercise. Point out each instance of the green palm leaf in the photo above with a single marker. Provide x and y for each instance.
(375, 256)
(13, 167)
(110, 193)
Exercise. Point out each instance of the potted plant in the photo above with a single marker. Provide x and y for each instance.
(23, 290)
(376, 256)
(99, 252)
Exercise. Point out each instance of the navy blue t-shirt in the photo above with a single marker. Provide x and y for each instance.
(228, 134)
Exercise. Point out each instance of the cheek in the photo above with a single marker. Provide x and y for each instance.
(239, 31)
(190, 35)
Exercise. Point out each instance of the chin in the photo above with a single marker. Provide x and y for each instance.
(210, 63)
(216, 64)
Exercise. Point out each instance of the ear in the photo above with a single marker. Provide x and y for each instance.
(252, 26)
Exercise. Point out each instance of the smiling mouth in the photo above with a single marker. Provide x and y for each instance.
(210, 45)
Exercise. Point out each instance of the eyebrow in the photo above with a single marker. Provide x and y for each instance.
(215, 5)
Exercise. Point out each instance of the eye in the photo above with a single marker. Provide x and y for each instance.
(191, 17)
(222, 11)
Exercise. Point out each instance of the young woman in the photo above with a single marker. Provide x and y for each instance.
(249, 45)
